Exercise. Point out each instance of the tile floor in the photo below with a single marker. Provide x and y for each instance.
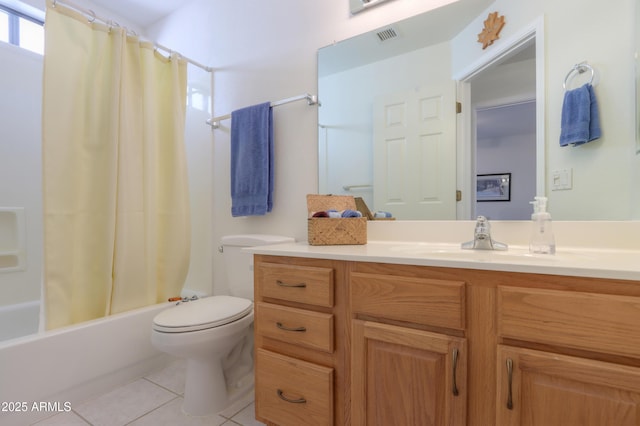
(154, 400)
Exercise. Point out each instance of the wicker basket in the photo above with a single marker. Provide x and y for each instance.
(338, 231)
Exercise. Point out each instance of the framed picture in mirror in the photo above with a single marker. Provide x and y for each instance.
(493, 187)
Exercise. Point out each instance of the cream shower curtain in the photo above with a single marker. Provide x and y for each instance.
(116, 201)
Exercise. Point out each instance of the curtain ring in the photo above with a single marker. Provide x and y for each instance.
(93, 17)
(112, 24)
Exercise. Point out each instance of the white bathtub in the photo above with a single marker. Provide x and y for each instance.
(19, 320)
(61, 368)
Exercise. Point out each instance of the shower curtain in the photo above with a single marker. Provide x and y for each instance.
(116, 200)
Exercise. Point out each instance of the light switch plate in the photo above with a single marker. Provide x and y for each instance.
(561, 179)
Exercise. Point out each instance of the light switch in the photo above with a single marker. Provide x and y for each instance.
(561, 179)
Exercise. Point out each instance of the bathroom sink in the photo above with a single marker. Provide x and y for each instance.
(512, 255)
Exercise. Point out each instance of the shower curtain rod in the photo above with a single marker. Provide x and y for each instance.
(92, 17)
(311, 100)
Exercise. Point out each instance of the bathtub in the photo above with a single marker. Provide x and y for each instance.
(58, 369)
(19, 320)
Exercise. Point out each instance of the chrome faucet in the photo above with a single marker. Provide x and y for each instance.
(482, 237)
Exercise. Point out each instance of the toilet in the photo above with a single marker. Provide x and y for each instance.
(214, 334)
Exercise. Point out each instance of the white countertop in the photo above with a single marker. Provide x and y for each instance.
(583, 262)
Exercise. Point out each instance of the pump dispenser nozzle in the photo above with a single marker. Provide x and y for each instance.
(539, 205)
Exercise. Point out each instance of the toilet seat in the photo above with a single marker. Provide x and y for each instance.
(202, 314)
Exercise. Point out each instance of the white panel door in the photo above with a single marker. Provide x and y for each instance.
(414, 153)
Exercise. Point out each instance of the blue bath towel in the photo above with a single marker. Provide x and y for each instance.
(252, 160)
(580, 117)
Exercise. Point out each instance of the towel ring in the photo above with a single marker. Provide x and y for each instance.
(579, 68)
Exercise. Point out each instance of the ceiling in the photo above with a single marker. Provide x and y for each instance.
(142, 13)
(435, 26)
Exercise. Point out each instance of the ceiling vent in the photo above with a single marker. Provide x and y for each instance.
(387, 34)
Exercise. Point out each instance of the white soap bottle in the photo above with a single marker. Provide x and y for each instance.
(542, 239)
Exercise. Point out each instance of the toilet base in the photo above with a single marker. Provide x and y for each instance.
(210, 354)
(205, 390)
(211, 398)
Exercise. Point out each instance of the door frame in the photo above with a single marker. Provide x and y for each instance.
(466, 134)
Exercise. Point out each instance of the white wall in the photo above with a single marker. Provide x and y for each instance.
(198, 146)
(20, 163)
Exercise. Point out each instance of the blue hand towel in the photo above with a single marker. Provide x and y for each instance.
(580, 117)
(252, 160)
(594, 124)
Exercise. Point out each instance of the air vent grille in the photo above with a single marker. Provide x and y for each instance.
(387, 34)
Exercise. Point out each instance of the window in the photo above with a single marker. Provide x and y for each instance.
(198, 97)
(4, 26)
(22, 30)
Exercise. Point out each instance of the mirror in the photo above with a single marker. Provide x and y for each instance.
(378, 71)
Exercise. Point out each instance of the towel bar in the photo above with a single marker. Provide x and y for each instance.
(311, 100)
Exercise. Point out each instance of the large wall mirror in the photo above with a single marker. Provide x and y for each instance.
(389, 131)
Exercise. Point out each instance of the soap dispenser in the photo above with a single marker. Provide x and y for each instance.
(542, 239)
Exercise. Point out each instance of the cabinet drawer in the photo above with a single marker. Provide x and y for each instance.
(304, 284)
(597, 322)
(296, 326)
(425, 301)
(292, 392)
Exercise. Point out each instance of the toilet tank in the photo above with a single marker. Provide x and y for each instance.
(239, 264)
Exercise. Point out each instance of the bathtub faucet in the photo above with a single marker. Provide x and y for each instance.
(187, 299)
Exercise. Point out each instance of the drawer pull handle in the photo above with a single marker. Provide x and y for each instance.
(293, 401)
(455, 366)
(283, 284)
(510, 379)
(298, 329)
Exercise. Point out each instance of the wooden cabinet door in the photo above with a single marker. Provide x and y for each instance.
(547, 389)
(403, 376)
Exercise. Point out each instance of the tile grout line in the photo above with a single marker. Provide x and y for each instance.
(229, 418)
(237, 412)
(152, 410)
(82, 417)
(160, 386)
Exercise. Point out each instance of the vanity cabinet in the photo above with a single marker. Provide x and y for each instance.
(419, 345)
(402, 373)
(587, 373)
(299, 355)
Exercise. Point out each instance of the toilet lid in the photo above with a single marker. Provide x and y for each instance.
(201, 314)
